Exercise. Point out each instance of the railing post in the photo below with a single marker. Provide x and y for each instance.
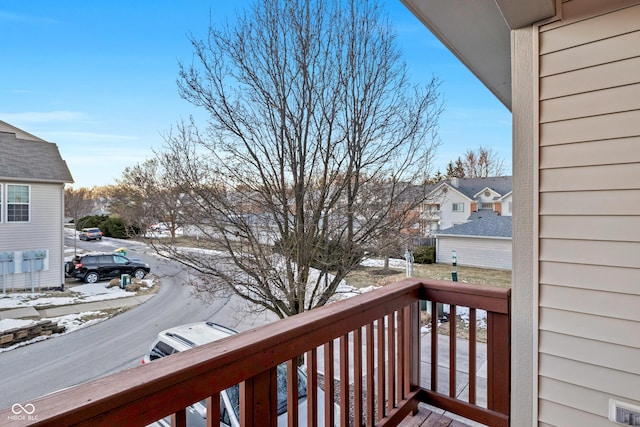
(312, 386)
(414, 347)
(498, 362)
(329, 415)
(179, 419)
(213, 410)
(292, 392)
(258, 400)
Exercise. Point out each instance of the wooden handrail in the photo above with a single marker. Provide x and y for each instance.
(144, 394)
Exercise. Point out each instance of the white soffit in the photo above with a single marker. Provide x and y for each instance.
(478, 33)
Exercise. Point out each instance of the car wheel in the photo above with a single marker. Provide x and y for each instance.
(139, 274)
(91, 277)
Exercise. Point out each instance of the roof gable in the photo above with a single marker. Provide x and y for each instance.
(471, 187)
(29, 158)
(444, 187)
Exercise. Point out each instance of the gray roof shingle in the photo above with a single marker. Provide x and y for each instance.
(488, 226)
(31, 158)
(472, 186)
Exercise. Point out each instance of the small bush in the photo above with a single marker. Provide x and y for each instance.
(424, 255)
(114, 227)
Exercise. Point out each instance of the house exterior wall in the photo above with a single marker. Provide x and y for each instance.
(506, 205)
(585, 228)
(44, 231)
(449, 218)
(475, 251)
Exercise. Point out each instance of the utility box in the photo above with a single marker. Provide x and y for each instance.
(33, 260)
(125, 279)
(7, 264)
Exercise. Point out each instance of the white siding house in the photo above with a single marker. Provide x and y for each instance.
(453, 201)
(32, 179)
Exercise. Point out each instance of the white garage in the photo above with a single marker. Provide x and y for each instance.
(484, 242)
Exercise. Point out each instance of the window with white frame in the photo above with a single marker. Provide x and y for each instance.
(18, 199)
(457, 207)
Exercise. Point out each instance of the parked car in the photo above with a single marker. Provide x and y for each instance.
(185, 337)
(159, 227)
(92, 233)
(100, 266)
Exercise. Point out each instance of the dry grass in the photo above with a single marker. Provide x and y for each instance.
(368, 276)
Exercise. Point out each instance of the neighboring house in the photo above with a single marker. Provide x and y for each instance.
(451, 202)
(32, 179)
(484, 241)
(569, 71)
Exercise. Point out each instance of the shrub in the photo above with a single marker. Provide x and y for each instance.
(110, 226)
(91, 221)
(424, 255)
(113, 227)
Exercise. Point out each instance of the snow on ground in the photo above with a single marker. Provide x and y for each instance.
(71, 322)
(393, 263)
(89, 292)
(83, 293)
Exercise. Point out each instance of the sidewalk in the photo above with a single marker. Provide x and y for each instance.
(62, 310)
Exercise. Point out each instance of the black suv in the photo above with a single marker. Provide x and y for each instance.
(98, 266)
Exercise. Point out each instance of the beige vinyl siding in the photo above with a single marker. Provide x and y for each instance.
(561, 392)
(588, 276)
(589, 227)
(43, 231)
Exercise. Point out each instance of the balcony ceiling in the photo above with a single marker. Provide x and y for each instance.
(478, 33)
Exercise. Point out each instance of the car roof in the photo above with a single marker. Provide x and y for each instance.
(195, 334)
(101, 253)
(107, 253)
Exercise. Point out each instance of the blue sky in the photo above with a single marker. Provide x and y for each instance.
(99, 79)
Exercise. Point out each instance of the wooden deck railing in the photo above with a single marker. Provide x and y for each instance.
(377, 365)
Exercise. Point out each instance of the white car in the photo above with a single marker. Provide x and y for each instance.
(185, 337)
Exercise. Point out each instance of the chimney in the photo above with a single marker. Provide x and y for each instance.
(454, 181)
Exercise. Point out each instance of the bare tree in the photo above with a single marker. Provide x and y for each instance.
(482, 163)
(315, 133)
(78, 203)
(146, 193)
(455, 170)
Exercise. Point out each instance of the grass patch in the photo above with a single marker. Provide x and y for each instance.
(368, 276)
